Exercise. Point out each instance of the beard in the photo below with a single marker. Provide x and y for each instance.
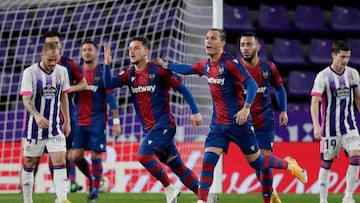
(136, 62)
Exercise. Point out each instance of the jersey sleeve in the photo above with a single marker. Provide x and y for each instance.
(26, 82)
(319, 85)
(172, 79)
(66, 85)
(276, 80)
(199, 67)
(78, 76)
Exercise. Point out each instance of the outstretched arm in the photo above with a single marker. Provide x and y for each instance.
(109, 81)
(251, 90)
(184, 69)
(195, 118)
(116, 130)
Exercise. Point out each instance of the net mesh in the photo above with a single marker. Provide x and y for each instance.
(176, 30)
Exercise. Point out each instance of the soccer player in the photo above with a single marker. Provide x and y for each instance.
(266, 75)
(336, 88)
(90, 131)
(149, 85)
(77, 83)
(44, 89)
(230, 121)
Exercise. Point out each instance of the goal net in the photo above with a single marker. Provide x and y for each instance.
(176, 30)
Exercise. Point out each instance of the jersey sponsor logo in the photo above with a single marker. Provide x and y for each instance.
(141, 89)
(49, 92)
(218, 81)
(342, 92)
(259, 90)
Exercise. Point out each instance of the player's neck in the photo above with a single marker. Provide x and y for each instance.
(337, 69)
(252, 63)
(215, 57)
(141, 65)
(89, 66)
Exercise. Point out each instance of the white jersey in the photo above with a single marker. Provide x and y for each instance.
(337, 92)
(46, 90)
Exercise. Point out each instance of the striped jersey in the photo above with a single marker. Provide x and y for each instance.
(93, 101)
(337, 99)
(46, 90)
(150, 93)
(225, 78)
(266, 75)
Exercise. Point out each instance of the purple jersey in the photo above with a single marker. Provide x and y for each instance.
(266, 75)
(225, 77)
(46, 90)
(150, 91)
(337, 93)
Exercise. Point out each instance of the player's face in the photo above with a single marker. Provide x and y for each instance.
(213, 43)
(89, 53)
(137, 52)
(341, 59)
(49, 59)
(55, 40)
(249, 47)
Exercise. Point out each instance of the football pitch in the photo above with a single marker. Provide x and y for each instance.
(160, 198)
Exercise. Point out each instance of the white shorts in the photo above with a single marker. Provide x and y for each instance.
(36, 148)
(330, 146)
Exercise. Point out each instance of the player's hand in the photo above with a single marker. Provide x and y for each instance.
(283, 119)
(116, 130)
(196, 120)
(41, 121)
(67, 129)
(317, 133)
(107, 54)
(242, 116)
(160, 62)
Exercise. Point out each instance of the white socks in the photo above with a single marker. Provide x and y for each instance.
(61, 184)
(351, 179)
(27, 179)
(324, 179)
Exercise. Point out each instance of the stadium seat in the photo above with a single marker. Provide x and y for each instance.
(300, 83)
(71, 48)
(288, 53)
(5, 59)
(17, 19)
(51, 19)
(237, 19)
(345, 19)
(124, 16)
(310, 19)
(355, 52)
(27, 50)
(89, 18)
(161, 18)
(320, 52)
(274, 19)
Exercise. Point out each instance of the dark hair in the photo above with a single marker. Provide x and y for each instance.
(49, 46)
(145, 41)
(340, 45)
(51, 34)
(249, 34)
(222, 33)
(89, 41)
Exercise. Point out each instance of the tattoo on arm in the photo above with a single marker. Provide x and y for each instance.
(29, 106)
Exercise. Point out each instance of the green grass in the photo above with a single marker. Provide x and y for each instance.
(160, 198)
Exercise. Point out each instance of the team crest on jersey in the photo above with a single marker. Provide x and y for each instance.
(221, 70)
(58, 80)
(49, 92)
(342, 92)
(265, 74)
(151, 76)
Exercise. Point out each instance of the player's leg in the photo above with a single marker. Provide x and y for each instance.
(265, 140)
(56, 147)
(32, 151)
(97, 145)
(154, 141)
(171, 157)
(70, 164)
(215, 144)
(351, 144)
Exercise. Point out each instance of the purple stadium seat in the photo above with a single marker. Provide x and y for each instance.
(274, 18)
(71, 48)
(161, 18)
(355, 52)
(5, 59)
(320, 51)
(300, 83)
(17, 20)
(27, 50)
(88, 18)
(310, 19)
(345, 19)
(124, 16)
(51, 19)
(288, 53)
(237, 19)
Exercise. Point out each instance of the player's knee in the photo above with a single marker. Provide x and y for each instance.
(326, 164)
(143, 159)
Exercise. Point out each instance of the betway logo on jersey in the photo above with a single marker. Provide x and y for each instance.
(140, 89)
(217, 81)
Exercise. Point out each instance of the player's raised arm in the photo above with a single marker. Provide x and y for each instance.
(109, 81)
